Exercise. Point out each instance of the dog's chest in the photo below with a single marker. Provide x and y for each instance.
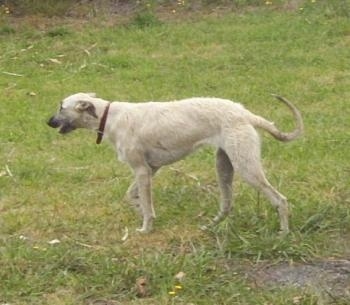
(121, 153)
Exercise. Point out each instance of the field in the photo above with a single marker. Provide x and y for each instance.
(67, 232)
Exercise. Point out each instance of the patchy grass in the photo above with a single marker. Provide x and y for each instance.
(67, 188)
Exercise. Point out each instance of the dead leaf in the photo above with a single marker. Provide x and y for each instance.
(28, 48)
(297, 299)
(55, 61)
(126, 234)
(54, 242)
(142, 287)
(180, 276)
(104, 302)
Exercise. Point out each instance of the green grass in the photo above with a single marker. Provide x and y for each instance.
(67, 188)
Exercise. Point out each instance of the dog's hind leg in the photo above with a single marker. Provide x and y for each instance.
(133, 197)
(246, 159)
(224, 170)
(277, 200)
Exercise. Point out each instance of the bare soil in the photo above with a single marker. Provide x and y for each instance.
(330, 279)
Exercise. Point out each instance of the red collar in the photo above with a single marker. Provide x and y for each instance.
(101, 128)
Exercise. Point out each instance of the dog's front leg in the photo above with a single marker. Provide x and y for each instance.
(143, 176)
(133, 194)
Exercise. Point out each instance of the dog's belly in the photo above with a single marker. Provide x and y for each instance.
(158, 157)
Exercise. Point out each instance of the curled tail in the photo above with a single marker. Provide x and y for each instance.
(274, 131)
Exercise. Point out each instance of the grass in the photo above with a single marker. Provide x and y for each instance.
(67, 188)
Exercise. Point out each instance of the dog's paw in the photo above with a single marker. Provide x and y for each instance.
(204, 228)
(208, 227)
(283, 233)
(143, 230)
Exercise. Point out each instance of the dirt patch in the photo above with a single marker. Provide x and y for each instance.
(330, 279)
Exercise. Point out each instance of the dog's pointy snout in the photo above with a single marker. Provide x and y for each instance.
(53, 122)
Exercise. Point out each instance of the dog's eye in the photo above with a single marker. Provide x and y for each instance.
(62, 107)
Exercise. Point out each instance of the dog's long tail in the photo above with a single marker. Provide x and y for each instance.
(270, 127)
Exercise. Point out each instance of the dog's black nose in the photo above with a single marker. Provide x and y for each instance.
(53, 122)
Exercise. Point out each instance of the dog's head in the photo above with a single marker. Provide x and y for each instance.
(76, 111)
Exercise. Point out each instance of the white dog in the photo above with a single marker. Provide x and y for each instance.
(149, 135)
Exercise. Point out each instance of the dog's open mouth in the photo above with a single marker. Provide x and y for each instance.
(65, 127)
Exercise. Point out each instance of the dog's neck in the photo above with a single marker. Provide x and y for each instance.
(102, 125)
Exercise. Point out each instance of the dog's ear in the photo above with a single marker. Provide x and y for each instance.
(86, 106)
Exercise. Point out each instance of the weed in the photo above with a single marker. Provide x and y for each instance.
(45, 7)
(60, 31)
(6, 29)
(145, 17)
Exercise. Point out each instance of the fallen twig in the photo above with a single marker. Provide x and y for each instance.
(84, 244)
(8, 171)
(12, 74)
